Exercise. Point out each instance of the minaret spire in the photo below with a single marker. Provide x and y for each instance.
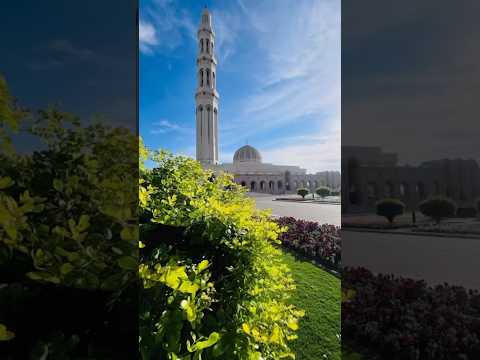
(206, 95)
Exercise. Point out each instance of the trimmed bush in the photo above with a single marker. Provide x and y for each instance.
(310, 239)
(214, 285)
(438, 208)
(303, 192)
(390, 209)
(323, 191)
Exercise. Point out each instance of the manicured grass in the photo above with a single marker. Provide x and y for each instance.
(318, 294)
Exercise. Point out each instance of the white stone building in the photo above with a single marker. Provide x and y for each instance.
(247, 167)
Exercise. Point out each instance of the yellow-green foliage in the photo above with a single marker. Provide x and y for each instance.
(70, 208)
(219, 290)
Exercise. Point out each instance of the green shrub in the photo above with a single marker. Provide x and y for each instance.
(438, 208)
(216, 288)
(303, 192)
(66, 206)
(68, 221)
(390, 208)
(323, 191)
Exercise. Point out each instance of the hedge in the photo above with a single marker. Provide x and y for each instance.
(214, 284)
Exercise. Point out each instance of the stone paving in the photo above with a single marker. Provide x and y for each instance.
(322, 213)
(434, 259)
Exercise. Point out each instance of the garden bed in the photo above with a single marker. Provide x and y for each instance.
(400, 318)
(320, 243)
(385, 226)
(449, 229)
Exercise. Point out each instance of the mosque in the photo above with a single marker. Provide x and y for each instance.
(247, 167)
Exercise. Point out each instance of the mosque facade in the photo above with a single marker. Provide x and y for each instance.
(370, 174)
(247, 167)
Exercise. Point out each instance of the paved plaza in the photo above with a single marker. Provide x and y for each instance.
(431, 258)
(322, 213)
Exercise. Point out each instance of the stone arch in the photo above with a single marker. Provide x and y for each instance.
(449, 192)
(263, 185)
(253, 186)
(308, 184)
(207, 46)
(372, 191)
(213, 79)
(201, 45)
(388, 189)
(209, 110)
(279, 185)
(295, 185)
(243, 183)
(404, 190)
(353, 194)
(353, 181)
(316, 184)
(200, 111)
(421, 191)
(201, 77)
(271, 185)
(208, 76)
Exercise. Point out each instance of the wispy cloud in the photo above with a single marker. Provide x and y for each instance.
(163, 26)
(316, 153)
(147, 37)
(65, 47)
(290, 60)
(301, 45)
(164, 126)
(227, 25)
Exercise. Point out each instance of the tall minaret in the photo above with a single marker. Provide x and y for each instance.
(206, 96)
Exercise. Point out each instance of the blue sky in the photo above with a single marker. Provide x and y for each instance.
(278, 76)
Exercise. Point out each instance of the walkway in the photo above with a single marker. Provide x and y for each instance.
(434, 259)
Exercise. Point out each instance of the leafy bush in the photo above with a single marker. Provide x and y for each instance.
(323, 191)
(68, 224)
(319, 242)
(66, 207)
(214, 284)
(401, 318)
(437, 208)
(303, 192)
(390, 208)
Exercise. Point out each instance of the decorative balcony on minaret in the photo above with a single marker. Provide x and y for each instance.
(206, 95)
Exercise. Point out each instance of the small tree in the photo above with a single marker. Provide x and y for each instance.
(323, 191)
(303, 192)
(390, 208)
(438, 208)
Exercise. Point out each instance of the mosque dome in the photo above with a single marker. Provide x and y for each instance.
(247, 153)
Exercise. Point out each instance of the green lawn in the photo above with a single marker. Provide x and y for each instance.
(318, 293)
